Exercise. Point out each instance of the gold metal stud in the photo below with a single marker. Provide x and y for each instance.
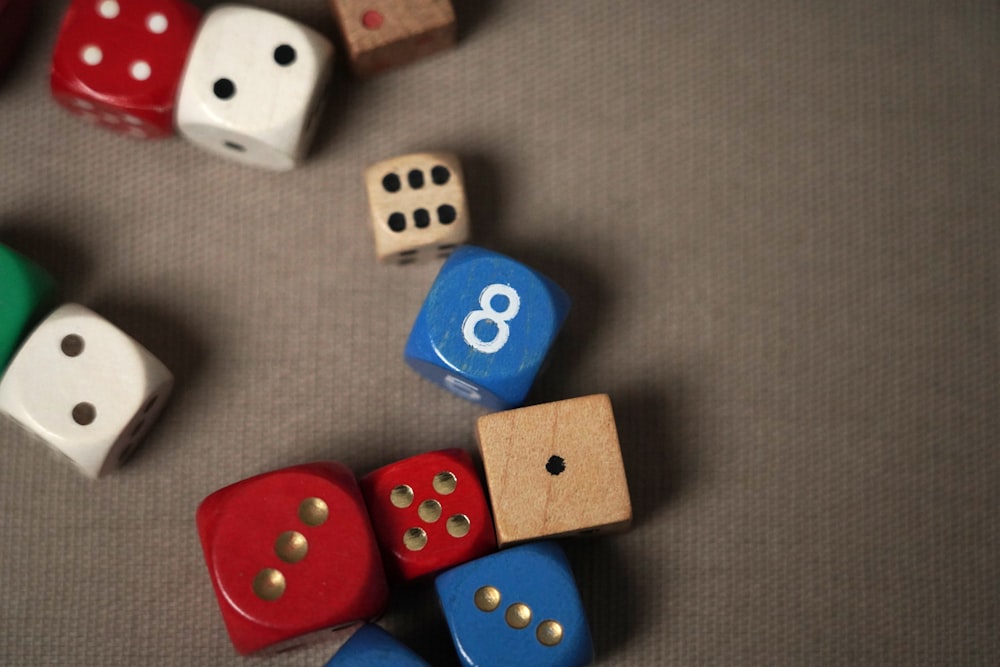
(487, 598)
(445, 482)
(401, 496)
(458, 525)
(291, 546)
(269, 584)
(313, 511)
(518, 616)
(415, 539)
(429, 511)
(549, 633)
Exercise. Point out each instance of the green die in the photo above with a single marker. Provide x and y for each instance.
(26, 291)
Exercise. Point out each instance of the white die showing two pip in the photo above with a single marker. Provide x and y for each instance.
(253, 87)
(86, 388)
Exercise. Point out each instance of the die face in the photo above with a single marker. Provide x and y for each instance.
(417, 205)
(518, 606)
(118, 63)
(13, 24)
(26, 290)
(291, 552)
(371, 646)
(554, 469)
(429, 513)
(382, 34)
(253, 87)
(486, 327)
(85, 388)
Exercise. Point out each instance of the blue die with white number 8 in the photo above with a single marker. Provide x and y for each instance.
(486, 327)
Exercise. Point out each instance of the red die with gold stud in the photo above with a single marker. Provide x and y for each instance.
(291, 552)
(429, 512)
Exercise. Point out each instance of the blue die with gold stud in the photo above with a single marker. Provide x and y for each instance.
(519, 606)
(486, 327)
(371, 646)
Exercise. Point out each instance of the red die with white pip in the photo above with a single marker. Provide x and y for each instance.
(117, 63)
(290, 553)
(429, 512)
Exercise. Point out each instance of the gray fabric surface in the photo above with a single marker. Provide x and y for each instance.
(778, 223)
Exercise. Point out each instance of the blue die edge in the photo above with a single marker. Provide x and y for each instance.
(371, 646)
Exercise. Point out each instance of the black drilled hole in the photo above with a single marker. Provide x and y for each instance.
(391, 183)
(397, 222)
(416, 179)
(84, 414)
(421, 218)
(224, 88)
(440, 175)
(232, 145)
(284, 55)
(72, 345)
(447, 214)
(555, 465)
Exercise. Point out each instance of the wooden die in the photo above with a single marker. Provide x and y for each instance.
(381, 34)
(86, 388)
(554, 469)
(253, 87)
(417, 205)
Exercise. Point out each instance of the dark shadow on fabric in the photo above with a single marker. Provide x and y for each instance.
(334, 105)
(590, 312)
(58, 254)
(416, 619)
(469, 14)
(611, 599)
(657, 462)
(484, 195)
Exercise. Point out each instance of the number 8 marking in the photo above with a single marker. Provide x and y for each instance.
(487, 313)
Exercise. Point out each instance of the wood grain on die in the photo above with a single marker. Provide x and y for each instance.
(382, 34)
(554, 469)
(417, 206)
